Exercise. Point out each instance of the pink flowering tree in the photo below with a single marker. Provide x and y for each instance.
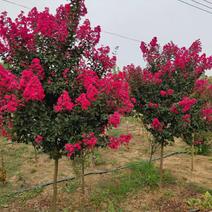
(59, 93)
(164, 86)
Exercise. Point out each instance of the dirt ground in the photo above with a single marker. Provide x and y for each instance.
(28, 172)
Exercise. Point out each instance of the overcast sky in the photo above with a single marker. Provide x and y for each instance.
(169, 20)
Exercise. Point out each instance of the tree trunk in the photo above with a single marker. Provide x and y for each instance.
(161, 164)
(127, 127)
(151, 152)
(36, 156)
(83, 173)
(54, 199)
(192, 156)
(192, 153)
(83, 181)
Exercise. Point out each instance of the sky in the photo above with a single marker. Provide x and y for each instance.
(168, 20)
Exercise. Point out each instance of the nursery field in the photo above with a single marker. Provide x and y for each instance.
(134, 187)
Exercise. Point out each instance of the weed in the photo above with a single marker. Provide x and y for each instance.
(30, 194)
(72, 186)
(205, 202)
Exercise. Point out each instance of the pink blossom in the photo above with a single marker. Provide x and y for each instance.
(34, 90)
(186, 103)
(174, 109)
(64, 103)
(70, 149)
(83, 101)
(9, 103)
(115, 142)
(114, 119)
(153, 105)
(90, 140)
(163, 93)
(38, 139)
(26, 76)
(156, 124)
(186, 118)
(91, 93)
(207, 114)
(170, 91)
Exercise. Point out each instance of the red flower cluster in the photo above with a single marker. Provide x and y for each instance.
(116, 88)
(83, 101)
(173, 58)
(34, 90)
(207, 114)
(85, 33)
(156, 124)
(88, 77)
(89, 140)
(153, 105)
(186, 118)
(8, 81)
(115, 142)
(174, 109)
(186, 103)
(169, 92)
(201, 85)
(64, 103)
(101, 57)
(38, 139)
(24, 31)
(114, 119)
(71, 148)
(37, 69)
(9, 103)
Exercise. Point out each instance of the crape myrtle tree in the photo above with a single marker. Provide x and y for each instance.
(58, 92)
(194, 115)
(165, 85)
(198, 120)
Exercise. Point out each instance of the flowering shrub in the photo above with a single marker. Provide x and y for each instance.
(59, 87)
(164, 87)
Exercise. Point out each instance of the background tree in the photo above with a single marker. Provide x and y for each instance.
(168, 77)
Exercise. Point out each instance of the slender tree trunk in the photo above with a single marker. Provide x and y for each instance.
(161, 164)
(192, 153)
(83, 181)
(151, 152)
(36, 155)
(54, 199)
(82, 174)
(192, 156)
(127, 126)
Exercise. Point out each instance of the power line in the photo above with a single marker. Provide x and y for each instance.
(16, 4)
(121, 36)
(199, 8)
(207, 1)
(204, 5)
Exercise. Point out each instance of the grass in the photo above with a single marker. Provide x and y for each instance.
(197, 188)
(72, 186)
(23, 197)
(141, 175)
